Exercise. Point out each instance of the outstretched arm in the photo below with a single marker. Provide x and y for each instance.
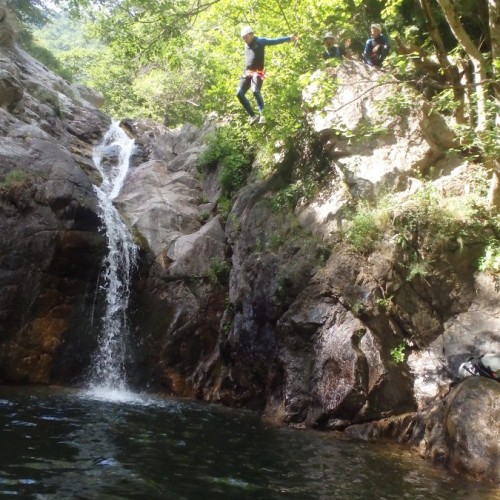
(277, 41)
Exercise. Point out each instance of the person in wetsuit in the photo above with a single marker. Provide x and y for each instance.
(376, 47)
(253, 74)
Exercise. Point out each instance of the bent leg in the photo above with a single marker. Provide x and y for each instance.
(242, 89)
(382, 56)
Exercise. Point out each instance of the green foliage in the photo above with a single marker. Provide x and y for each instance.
(418, 268)
(444, 102)
(304, 169)
(430, 222)
(225, 148)
(276, 241)
(31, 13)
(64, 46)
(289, 196)
(392, 8)
(175, 61)
(258, 247)
(224, 206)
(425, 224)
(490, 262)
(357, 307)
(204, 216)
(219, 272)
(44, 55)
(398, 103)
(385, 302)
(323, 86)
(486, 143)
(236, 223)
(15, 179)
(171, 96)
(366, 228)
(228, 318)
(398, 353)
(282, 284)
(63, 34)
(234, 171)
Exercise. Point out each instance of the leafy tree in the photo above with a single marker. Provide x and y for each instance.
(175, 60)
(179, 62)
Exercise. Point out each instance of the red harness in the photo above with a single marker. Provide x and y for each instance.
(260, 73)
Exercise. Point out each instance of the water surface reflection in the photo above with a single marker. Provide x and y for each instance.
(59, 443)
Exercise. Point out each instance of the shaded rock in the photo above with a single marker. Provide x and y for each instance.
(472, 429)
(8, 32)
(11, 88)
(51, 252)
(471, 333)
(462, 431)
(340, 365)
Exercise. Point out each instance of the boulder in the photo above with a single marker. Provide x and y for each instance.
(461, 431)
(472, 429)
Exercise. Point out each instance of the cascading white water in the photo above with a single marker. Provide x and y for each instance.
(108, 364)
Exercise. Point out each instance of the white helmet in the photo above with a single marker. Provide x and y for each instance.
(246, 30)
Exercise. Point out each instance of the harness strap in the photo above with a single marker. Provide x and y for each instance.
(260, 73)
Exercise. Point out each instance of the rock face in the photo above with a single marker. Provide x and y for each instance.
(51, 249)
(264, 308)
(460, 431)
(179, 304)
(472, 434)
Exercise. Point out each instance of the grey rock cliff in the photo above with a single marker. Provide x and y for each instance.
(51, 248)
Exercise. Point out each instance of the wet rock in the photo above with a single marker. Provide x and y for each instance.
(461, 431)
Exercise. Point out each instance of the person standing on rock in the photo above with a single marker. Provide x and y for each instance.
(253, 74)
(376, 47)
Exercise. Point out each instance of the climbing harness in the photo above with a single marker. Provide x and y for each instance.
(260, 73)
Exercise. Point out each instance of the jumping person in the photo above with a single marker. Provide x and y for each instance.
(253, 75)
(376, 47)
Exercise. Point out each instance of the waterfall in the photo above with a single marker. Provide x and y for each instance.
(112, 158)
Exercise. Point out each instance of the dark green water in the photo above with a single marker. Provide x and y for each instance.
(61, 444)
